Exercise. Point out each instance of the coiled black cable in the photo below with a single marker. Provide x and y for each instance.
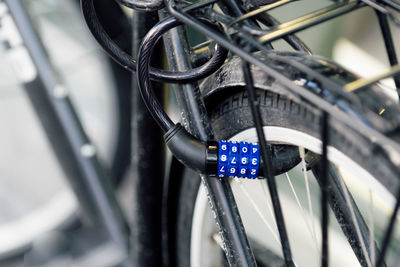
(143, 73)
(130, 63)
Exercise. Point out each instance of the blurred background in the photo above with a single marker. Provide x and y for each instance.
(35, 198)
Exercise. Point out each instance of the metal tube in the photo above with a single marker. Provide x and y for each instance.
(90, 182)
(147, 162)
(307, 21)
(324, 190)
(389, 45)
(364, 82)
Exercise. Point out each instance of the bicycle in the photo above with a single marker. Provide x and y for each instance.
(291, 86)
(315, 115)
(43, 69)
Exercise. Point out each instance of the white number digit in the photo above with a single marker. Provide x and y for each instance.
(244, 149)
(223, 147)
(255, 150)
(233, 160)
(234, 149)
(243, 171)
(254, 161)
(244, 160)
(232, 170)
(253, 171)
(222, 169)
(223, 157)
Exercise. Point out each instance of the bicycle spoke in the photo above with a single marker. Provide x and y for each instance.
(265, 190)
(355, 222)
(324, 190)
(257, 209)
(312, 231)
(388, 233)
(341, 210)
(267, 164)
(310, 207)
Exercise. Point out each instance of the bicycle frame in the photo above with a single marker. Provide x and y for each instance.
(76, 154)
(219, 192)
(235, 243)
(89, 179)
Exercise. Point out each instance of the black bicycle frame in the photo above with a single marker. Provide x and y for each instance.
(89, 180)
(220, 195)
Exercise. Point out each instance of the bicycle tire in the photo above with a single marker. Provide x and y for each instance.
(118, 146)
(232, 116)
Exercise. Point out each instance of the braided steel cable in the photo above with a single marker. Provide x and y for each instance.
(143, 72)
(130, 63)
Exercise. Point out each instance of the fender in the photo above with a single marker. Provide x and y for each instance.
(309, 72)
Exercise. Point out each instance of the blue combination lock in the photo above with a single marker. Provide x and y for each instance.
(238, 159)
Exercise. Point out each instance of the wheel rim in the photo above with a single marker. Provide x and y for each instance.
(202, 242)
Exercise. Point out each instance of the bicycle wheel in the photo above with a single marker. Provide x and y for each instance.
(369, 180)
(35, 190)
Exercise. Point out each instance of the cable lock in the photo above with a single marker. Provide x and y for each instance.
(238, 159)
(207, 157)
(222, 159)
